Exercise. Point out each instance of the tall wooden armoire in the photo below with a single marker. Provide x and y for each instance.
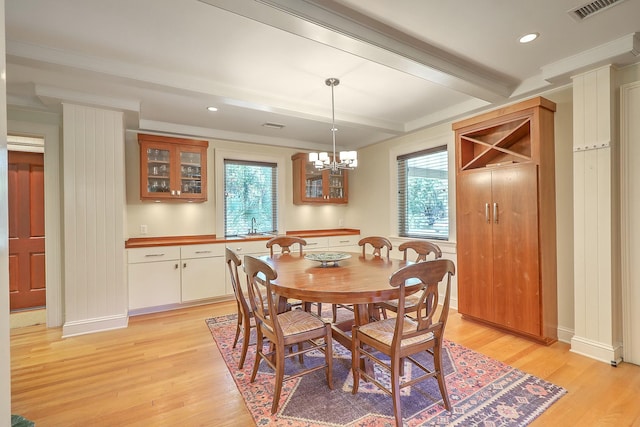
(506, 211)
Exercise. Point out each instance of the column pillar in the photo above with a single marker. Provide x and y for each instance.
(596, 225)
(95, 290)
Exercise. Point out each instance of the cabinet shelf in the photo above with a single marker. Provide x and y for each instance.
(508, 142)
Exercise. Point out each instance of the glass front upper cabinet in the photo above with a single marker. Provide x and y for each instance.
(312, 186)
(172, 169)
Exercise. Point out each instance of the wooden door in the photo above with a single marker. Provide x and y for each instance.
(475, 248)
(516, 277)
(26, 230)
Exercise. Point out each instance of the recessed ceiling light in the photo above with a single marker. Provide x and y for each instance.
(528, 37)
(212, 108)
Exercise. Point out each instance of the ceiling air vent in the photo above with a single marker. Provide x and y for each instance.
(588, 10)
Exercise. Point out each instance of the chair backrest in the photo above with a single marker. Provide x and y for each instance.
(422, 248)
(259, 277)
(285, 242)
(425, 277)
(377, 242)
(233, 262)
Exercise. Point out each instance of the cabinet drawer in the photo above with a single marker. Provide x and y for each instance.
(201, 251)
(316, 244)
(350, 240)
(248, 247)
(155, 254)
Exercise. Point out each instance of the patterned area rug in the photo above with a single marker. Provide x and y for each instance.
(483, 391)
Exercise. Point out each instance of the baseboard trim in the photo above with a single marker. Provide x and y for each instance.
(596, 350)
(98, 324)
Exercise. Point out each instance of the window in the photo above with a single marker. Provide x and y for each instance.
(423, 194)
(250, 197)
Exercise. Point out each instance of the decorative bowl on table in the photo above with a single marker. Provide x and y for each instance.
(327, 259)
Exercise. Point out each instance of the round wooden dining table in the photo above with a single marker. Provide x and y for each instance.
(360, 280)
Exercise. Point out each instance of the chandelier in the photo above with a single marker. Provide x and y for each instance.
(323, 161)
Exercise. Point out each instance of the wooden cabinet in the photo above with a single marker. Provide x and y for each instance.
(505, 192)
(172, 169)
(312, 186)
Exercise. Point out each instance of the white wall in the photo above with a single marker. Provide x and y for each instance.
(184, 219)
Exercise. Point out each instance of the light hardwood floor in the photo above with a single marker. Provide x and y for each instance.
(165, 370)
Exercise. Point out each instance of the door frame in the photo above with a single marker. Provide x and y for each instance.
(52, 212)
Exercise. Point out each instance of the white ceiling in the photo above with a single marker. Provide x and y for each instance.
(403, 65)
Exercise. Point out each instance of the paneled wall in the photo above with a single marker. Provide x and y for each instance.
(596, 225)
(94, 228)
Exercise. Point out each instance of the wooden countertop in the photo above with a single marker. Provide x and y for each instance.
(144, 242)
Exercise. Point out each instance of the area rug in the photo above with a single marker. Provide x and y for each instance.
(482, 391)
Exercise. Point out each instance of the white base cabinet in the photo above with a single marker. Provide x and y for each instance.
(203, 272)
(154, 276)
(166, 275)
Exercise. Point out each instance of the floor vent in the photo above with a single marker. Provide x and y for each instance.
(588, 10)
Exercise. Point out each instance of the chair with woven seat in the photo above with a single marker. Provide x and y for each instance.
(403, 338)
(423, 249)
(244, 322)
(377, 243)
(285, 243)
(284, 330)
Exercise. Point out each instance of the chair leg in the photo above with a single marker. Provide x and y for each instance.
(328, 356)
(334, 312)
(277, 389)
(319, 309)
(355, 360)
(238, 326)
(246, 336)
(256, 364)
(395, 389)
(437, 363)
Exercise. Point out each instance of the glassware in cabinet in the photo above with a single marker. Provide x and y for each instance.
(172, 168)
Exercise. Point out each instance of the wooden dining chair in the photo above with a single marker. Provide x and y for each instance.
(377, 243)
(245, 321)
(284, 330)
(403, 338)
(285, 243)
(423, 249)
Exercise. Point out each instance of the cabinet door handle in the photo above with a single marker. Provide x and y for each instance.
(312, 244)
(184, 265)
(203, 252)
(153, 255)
(238, 249)
(495, 212)
(486, 212)
(344, 241)
(177, 266)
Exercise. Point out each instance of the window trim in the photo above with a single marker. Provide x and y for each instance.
(220, 155)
